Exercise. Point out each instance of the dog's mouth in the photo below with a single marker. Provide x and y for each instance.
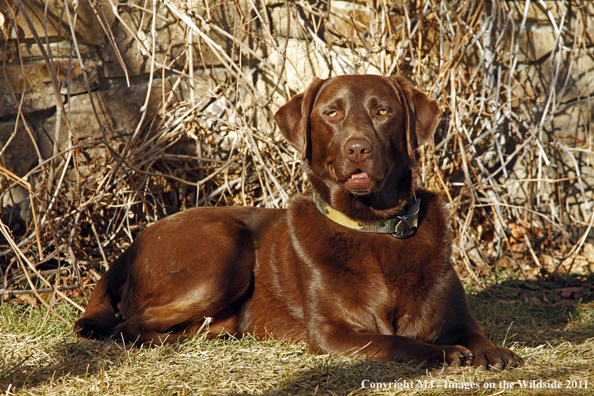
(359, 182)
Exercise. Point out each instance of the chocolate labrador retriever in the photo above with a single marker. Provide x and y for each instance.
(361, 265)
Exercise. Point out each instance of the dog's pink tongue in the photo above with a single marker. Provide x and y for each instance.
(360, 175)
(358, 181)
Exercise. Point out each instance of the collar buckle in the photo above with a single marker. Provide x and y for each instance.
(408, 222)
(402, 229)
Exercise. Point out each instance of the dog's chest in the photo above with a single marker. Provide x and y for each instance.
(375, 284)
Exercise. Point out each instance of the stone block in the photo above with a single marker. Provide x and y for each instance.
(579, 18)
(347, 21)
(306, 60)
(118, 107)
(36, 84)
(536, 12)
(566, 139)
(539, 36)
(535, 44)
(283, 27)
(16, 198)
(571, 137)
(355, 22)
(172, 37)
(576, 68)
(59, 50)
(88, 29)
(573, 123)
(19, 154)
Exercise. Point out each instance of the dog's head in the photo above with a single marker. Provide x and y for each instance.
(358, 136)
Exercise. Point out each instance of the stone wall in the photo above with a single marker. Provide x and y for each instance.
(272, 50)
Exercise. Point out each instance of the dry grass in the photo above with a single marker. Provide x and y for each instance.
(40, 356)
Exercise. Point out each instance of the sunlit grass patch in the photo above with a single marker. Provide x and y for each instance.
(40, 355)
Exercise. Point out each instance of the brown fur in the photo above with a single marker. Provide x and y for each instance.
(296, 274)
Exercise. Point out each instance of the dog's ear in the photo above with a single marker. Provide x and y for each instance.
(428, 115)
(287, 118)
(293, 118)
(423, 114)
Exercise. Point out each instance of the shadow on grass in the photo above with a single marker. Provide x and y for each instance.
(358, 378)
(532, 313)
(82, 359)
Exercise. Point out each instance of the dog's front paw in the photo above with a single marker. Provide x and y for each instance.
(452, 355)
(496, 358)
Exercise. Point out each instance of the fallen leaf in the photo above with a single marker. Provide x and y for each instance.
(571, 292)
(29, 299)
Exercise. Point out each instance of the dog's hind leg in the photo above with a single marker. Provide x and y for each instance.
(100, 316)
(169, 323)
(152, 326)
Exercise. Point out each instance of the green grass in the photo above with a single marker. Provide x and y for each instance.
(40, 356)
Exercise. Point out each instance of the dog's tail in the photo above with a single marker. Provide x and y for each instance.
(101, 315)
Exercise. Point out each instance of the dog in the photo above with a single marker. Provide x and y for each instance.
(360, 265)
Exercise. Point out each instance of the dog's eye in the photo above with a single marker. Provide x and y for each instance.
(383, 112)
(332, 114)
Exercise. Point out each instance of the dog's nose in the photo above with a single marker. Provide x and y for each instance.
(357, 149)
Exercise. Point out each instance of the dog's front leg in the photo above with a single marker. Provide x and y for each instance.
(341, 339)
